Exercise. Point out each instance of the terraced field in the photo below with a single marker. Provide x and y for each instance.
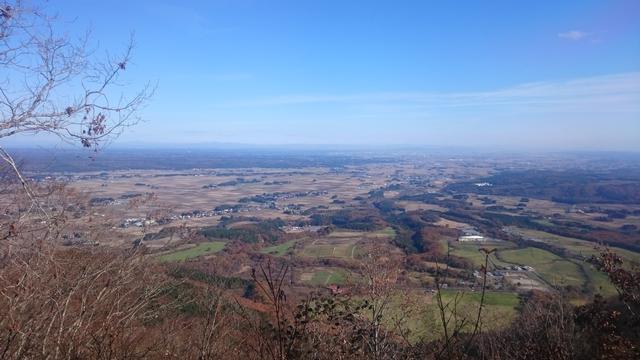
(332, 250)
(332, 247)
(387, 232)
(345, 234)
(343, 244)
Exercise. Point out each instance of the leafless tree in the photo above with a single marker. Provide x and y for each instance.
(78, 304)
(456, 339)
(53, 83)
(271, 281)
(380, 286)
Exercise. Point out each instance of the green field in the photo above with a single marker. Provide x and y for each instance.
(598, 281)
(423, 316)
(343, 250)
(551, 268)
(554, 269)
(594, 280)
(491, 298)
(280, 249)
(193, 252)
(499, 311)
(327, 277)
(578, 247)
(347, 234)
(342, 244)
(387, 232)
(470, 251)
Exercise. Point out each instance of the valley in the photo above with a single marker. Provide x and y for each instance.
(434, 218)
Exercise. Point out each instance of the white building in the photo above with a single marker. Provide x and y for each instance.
(467, 238)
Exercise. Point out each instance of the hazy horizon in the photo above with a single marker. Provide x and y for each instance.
(345, 149)
(526, 76)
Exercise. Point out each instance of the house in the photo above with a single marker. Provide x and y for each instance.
(467, 238)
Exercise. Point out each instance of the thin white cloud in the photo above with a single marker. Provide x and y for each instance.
(574, 35)
(608, 93)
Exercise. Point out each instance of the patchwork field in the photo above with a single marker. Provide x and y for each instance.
(186, 191)
(308, 200)
(326, 248)
(549, 269)
(344, 244)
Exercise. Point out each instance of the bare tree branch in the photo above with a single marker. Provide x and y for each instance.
(51, 83)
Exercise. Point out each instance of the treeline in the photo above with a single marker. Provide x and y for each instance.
(414, 230)
(264, 230)
(629, 241)
(105, 304)
(353, 219)
(210, 278)
(570, 186)
(457, 202)
(43, 161)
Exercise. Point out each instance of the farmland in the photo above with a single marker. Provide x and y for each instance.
(325, 224)
(581, 248)
(500, 308)
(324, 277)
(472, 252)
(320, 180)
(337, 247)
(553, 269)
(279, 250)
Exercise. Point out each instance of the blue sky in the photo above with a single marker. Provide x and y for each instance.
(513, 74)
